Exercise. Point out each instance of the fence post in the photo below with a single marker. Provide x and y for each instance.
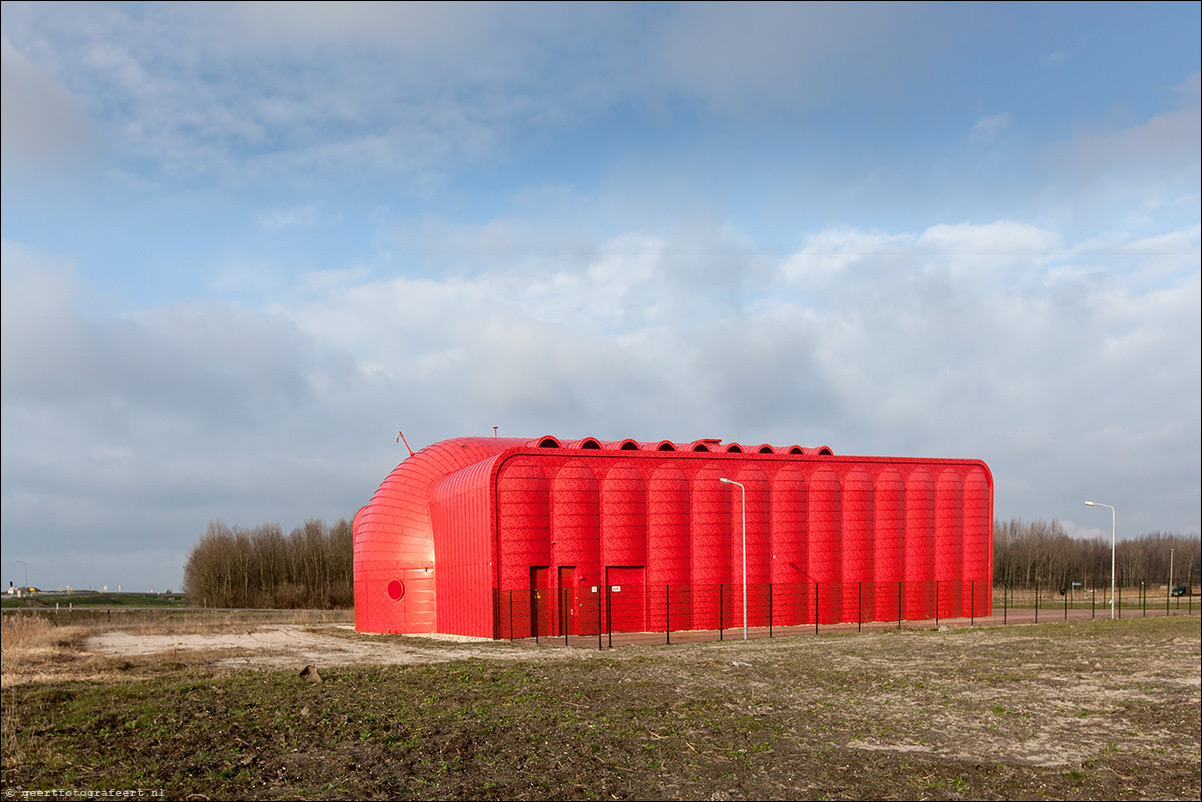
(1036, 601)
(721, 606)
(1118, 603)
(609, 613)
(534, 596)
(1005, 604)
(769, 609)
(1143, 591)
(972, 602)
(598, 619)
(899, 603)
(816, 608)
(859, 607)
(511, 614)
(936, 604)
(667, 613)
(1066, 607)
(1093, 604)
(563, 613)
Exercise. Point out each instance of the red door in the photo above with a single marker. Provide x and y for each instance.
(542, 603)
(568, 603)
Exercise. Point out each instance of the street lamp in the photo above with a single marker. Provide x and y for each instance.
(1095, 504)
(726, 481)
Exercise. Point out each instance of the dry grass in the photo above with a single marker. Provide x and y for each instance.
(36, 650)
(23, 630)
(50, 647)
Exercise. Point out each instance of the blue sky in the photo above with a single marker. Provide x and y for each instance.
(244, 244)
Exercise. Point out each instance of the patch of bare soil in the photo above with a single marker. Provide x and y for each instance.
(290, 645)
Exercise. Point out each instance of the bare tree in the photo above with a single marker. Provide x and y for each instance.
(234, 567)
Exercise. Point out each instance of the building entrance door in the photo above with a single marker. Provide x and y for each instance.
(542, 602)
(569, 605)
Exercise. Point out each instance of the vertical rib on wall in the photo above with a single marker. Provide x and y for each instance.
(758, 522)
(920, 545)
(523, 521)
(949, 557)
(668, 538)
(788, 557)
(623, 517)
(888, 542)
(710, 558)
(858, 557)
(576, 521)
(978, 554)
(825, 529)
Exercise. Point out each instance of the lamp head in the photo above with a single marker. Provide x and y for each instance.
(1090, 504)
(725, 481)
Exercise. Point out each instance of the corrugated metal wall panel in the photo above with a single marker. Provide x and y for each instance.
(479, 514)
(920, 544)
(789, 567)
(461, 514)
(825, 529)
(858, 556)
(978, 549)
(709, 559)
(888, 541)
(949, 543)
(623, 516)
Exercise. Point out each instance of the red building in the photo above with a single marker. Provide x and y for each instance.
(507, 537)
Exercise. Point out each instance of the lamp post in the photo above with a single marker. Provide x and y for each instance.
(726, 481)
(1095, 504)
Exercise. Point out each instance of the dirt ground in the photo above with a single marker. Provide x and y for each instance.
(288, 645)
(1089, 710)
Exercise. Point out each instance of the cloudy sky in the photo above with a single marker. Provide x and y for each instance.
(244, 244)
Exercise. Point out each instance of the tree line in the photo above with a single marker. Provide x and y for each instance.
(1026, 553)
(310, 568)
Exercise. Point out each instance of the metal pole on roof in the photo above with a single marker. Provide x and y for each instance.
(726, 481)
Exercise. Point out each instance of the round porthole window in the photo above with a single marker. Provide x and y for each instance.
(396, 589)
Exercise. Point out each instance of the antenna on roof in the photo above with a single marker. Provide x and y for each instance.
(494, 432)
(401, 437)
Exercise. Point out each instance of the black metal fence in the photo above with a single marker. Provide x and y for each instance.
(605, 616)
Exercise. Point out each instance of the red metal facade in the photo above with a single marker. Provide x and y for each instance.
(462, 526)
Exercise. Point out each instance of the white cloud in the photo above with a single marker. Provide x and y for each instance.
(304, 216)
(835, 250)
(987, 128)
(749, 55)
(1137, 178)
(1064, 384)
(44, 126)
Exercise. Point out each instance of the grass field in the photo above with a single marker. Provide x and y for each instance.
(92, 599)
(1077, 710)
